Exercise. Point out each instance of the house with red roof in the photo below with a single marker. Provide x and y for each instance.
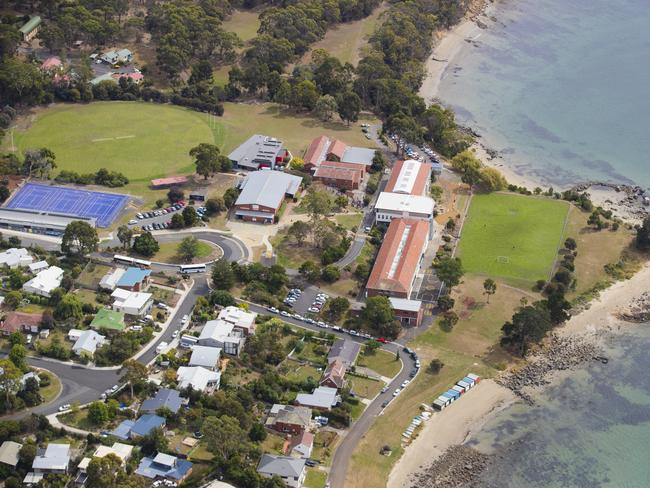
(53, 63)
(323, 149)
(20, 321)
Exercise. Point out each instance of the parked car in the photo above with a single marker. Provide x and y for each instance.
(397, 392)
(382, 340)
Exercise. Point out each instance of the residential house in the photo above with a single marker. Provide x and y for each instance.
(290, 469)
(240, 318)
(345, 351)
(205, 356)
(259, 152)
(75, 334)
(334, 375)
(110, 279)
(399, 259)
(53, 63)
(15, 257)
(164, 467)
(165, 397)
(129, 429)
(322, 398)
(44, 282)
(30, 29)
(222, 334)
(288, 419)
(323, 150)
(122, 451)
(9, 453)
(300, 445)
(109, 320)
(262, 195)
(123, 56)
(408, 312)
(198, 378)
(21, 322)
(88, 342)
(37, 267)
(133, 303)
(55, 458)
(134, 279)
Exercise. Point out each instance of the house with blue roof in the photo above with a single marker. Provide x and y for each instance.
(165, 397)
(164, 466)
(134, 279)
(129, 429)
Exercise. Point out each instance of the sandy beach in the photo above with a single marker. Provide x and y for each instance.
(452, 426)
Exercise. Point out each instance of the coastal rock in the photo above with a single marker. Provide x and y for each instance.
(638, 310)
(458, 467)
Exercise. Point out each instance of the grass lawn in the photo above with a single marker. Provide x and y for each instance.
(315, 478)
(87, 296)
(51, 391)
(312, 353)
(302, 373)
(273, 443)
(200, 453)
(54, 334)
(350, 221)
(32, 308)
(381, 362)
(290, 253)
(244, 23)
(324, 443)
(168, 253)
(92, 274)
(79, 420)
(364, 387)
(161, 294)
(512, 237)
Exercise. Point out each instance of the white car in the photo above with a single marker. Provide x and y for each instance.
(175, 334)
(114, 388)
(397, 392)
(185, 319)
(64, 407)
(161, 347)
(133, 222)
(404, 383)
(284, 314)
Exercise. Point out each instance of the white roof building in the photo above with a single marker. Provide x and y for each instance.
(110, 279)
(38, 266)
(88, 342)
(322, 397)
(44, 282)
(390, 206)
(15, 257)
(9, 453)
(222, 334)
(53, 459)
(205, 356)
(198, 378)
(263, 193)
(132, 302)
(240, 318)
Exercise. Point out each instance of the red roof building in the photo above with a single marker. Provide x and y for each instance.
(344, 176)
(323, 149)
(167, 182)
(409, 177)
(399, 258)
(334, 375)
(336, 150)
(316, 152)
(19, 321)
(51, 63)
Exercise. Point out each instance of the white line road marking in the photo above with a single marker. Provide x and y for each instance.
(104, 139)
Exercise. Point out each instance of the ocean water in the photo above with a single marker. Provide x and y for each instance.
(591, 428)
(561, 88)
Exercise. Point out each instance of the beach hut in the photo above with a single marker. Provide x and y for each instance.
(464, 385)
(468, 381)
(476, 378)
(454, 395)
(459, 389)
(439, 404)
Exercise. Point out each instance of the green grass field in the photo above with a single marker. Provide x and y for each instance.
(244, 23)
(512, 237)
(141, 140)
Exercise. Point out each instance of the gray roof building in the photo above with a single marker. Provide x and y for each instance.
(53, 459)
(9, 453)
(323, 397)
(358, 155)
(263, 192)
(165, 397)
(41, 222)
(291, 470)
(345, 350)
(258, 152)
(205, 356)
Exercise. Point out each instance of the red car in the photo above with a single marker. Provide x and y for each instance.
(382, 340)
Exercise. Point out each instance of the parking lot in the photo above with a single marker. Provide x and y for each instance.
(161, 218)
(305, 300)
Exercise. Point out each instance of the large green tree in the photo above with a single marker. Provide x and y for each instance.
(528, 325)
(643, 234)
(134, 373)
(449, 271)
(79, 238)
(69, 307)
(125, 236)
(188, 248)
(146, 245)
(223, 277)
(206, 159)
(224, 436)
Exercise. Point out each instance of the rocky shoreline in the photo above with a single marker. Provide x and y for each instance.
(638, 311)
(458, 467)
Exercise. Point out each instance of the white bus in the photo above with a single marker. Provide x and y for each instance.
(193, 268)
(131, 261)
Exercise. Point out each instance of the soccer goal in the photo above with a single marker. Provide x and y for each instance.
(503, 259)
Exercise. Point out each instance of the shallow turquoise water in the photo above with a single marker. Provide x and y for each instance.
(590, 429)
(561, 88)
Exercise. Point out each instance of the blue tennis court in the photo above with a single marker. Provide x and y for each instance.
(104, 207)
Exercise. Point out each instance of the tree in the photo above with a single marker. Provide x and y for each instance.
(325, 108)
(107, 472)
(69, 307)
(222, 298)
(190, 217)
(98, 413)
(223, 435)
(214, 205)
(146, 245)
(230, 197)
(206, 159)
(449, 271)
(309, 270)
(349, 106)
(257, 432)
(223, 277)
(175, 195)
(378, 162)
(299, 230)
(337, 307)
(125, 236)
(17, 355)
(570, 244)
(39, 162)
(305, 95)
(468, 166)
(79, 238)
(643, 234)
(491, 179)
(489, 287)
(318, 203)
(435, 366)
(330, 273)
(133, 372)
(177, 222)
(378, 311)
(188, 248)
(529, 324)
(449, 320)
(445, 303)
(155, 441)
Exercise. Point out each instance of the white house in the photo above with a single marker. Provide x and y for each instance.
(44, 282)
(15, 257)
(198, 378)
(222, 334)
(301, 445)
(37, 267)
(291, 470)
(110, 279)
(88, 342)
(132, 302)
(53, 459)
(240, 318)
(205, 356)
